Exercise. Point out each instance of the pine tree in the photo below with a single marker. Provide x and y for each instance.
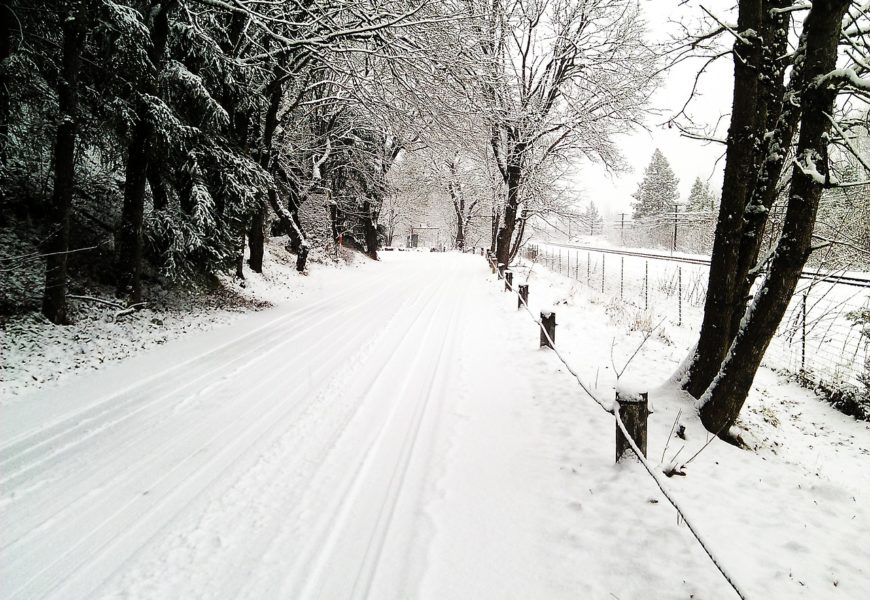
(592, 219)
(701, 197)
(657, 193)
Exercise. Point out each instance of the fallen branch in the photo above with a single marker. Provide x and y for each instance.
(96, 300)
(130, 309)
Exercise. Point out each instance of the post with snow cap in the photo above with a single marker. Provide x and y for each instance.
(633, 411)
(523, 297)
(501, 268)
(508, 280)
(548, 328)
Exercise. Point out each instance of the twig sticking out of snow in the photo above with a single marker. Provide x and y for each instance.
(680, 511)
(653, 472)
(671, 434)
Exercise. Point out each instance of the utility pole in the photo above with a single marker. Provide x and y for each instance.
(622, 228)
(676, 206)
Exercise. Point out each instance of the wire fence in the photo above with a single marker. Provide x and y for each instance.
(823, 338)
(844, 241)
(655, 472)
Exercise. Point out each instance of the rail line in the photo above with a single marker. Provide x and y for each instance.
(850, 280)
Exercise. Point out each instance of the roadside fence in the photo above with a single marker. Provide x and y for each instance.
(630, 413)
(824, 337)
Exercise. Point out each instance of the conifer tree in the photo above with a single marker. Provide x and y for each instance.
(592, 219)
(657, 192)
(701, 197)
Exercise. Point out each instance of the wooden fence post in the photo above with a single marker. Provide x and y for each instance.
(524, 295)
(508, 280)
(634, 411)
(548, 325)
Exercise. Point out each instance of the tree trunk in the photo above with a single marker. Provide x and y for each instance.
(130, 239)
(333, 220)
(371, 230)
(75, 29)
(744, 135)
(518, 239)
(722, 401)
(6, 19)
(495, 224)
(290, 226)
(257, 238)
(513, 181)
(459, 209)
(130, 236)
(159, 195)
(240, 254)
(781, 125)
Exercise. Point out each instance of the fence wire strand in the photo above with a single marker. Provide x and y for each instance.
(613, 409)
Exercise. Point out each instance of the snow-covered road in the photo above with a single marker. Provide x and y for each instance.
(395, 433)
(293, 455)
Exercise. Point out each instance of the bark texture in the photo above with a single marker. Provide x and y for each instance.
(56, 247)
(724, 398)
(741, 162)
(513, 180)
(370, 229)
(6, 20)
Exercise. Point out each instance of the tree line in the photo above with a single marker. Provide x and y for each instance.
(165, 139)
(172, 135)
(168, 132)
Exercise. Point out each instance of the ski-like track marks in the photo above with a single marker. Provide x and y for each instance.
(273, 465)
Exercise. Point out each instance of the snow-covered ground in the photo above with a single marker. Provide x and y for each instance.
(37, 354)
(397, 433)
(818, 338)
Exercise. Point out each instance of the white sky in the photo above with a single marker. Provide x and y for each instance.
(688, 158)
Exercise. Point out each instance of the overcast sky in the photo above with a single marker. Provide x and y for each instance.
(688, 158)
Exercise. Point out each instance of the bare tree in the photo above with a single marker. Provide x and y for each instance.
(767, 116)
(560, 79)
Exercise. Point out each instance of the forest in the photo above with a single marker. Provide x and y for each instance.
(150, 144)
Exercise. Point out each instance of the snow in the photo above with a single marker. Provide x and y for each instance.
(394, 431)
(37, 354)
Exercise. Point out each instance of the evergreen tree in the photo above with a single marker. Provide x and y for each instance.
(592, 219)
(657, 192)
(701, 197)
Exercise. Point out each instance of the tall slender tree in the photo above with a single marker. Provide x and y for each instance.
(76, 25)
(657, 192)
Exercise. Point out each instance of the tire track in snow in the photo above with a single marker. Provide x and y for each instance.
(44, 432)
(306, 456)
(175, 476)
(103, 464)
(254, 408)
(365, 497)
(367, 573)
